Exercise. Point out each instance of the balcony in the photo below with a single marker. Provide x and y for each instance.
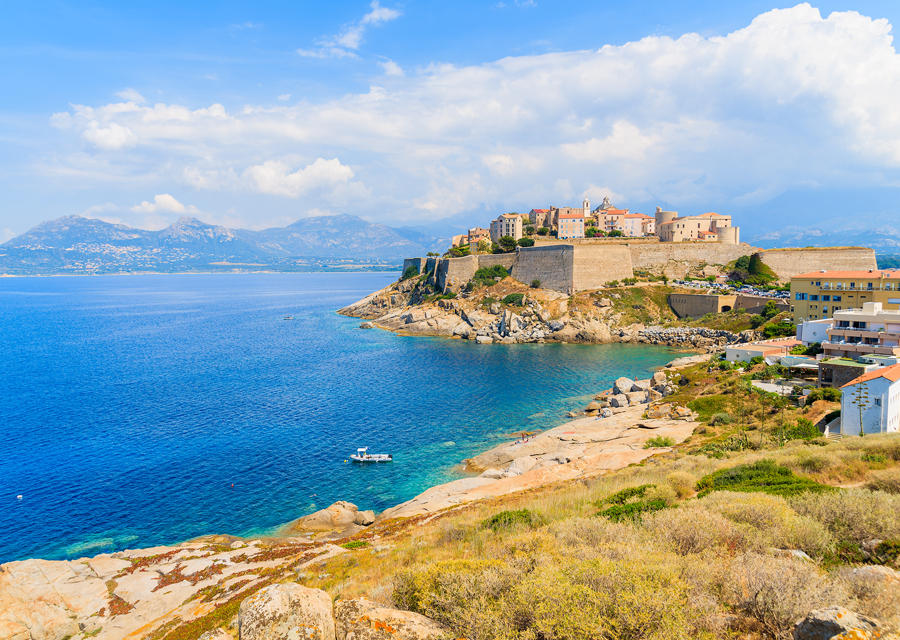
(832, 348)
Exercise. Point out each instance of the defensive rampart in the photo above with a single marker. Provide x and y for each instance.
(453, 273)
(791, 262)
(666, 256)
(571, 268)
(697, 305)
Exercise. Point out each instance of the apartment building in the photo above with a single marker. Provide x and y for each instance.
(871, 402)
(819, 294)
(571, 226)
(508, 224)
(870, 330)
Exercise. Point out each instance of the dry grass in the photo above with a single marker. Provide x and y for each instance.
(572, 574)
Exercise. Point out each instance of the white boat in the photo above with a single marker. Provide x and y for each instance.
(362, 455)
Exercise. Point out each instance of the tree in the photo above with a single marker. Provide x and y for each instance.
(615, 233)
(665, 279)
(535, 284)
(590, 232)
(507, 244)
(530, 230)
(543, 231)
(483, 246)
(525, 242)
(459, 252)
(861, 400)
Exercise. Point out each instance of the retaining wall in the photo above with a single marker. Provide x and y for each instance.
(791, 262)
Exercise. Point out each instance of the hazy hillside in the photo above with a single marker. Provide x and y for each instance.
(73, 244)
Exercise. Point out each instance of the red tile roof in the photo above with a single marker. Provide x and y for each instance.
(892, 373)
(847, 274)
(571, 216)
(540, 210)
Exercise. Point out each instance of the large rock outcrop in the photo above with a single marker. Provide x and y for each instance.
(286, 612)
(362, 619)
(824, 624)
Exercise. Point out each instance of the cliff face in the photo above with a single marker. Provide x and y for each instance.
(495, 314)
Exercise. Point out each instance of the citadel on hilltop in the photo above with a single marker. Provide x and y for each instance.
(606, 221)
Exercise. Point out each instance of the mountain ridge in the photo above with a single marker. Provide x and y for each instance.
(75, 244)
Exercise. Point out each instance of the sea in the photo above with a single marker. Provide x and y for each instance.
(150, 409)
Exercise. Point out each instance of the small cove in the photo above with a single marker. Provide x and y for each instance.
(147, 410)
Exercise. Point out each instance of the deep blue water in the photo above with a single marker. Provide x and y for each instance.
(144, 410)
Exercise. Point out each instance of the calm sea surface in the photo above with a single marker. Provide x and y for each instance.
(144, 410)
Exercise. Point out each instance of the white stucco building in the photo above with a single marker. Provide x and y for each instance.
(881, 410)
(509, 224)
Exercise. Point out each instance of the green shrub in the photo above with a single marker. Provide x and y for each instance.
(514, 298)
(411, 272)
(629, 281)
(779, 330)
(629, 504)
(756, 360)
(659, 442)
(764, 476)
(725, 365)
(612, 283)
(721, 418)
(509, 519)
(535, 284)
(708, 406)
(803, 430)
(825, 393)
(525, 242)
(831, 415)
(485, 276)
(355, 544)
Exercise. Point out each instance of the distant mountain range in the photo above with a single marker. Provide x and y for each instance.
(74, 244)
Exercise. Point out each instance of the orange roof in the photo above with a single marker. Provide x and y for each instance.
(540, 210)
(848, 274)
(705, 233)
(709, 215)
(892, 373)
(572, 216)
(637, 215)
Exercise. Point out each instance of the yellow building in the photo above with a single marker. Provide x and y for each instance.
(819, 294)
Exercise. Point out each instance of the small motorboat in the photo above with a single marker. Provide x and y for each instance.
(289, 317)
(362, 455)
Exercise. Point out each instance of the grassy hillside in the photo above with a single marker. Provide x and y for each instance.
(700, 542)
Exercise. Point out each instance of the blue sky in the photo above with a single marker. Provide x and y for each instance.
(256, 114)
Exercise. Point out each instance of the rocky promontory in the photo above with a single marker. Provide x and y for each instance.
(508, 312)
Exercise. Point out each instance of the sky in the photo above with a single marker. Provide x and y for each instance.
(254, 115)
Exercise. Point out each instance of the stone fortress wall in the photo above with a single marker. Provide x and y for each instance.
(790, 262)
(569, 267)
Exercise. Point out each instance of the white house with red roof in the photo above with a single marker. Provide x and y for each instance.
(707, 227)
(874, 396)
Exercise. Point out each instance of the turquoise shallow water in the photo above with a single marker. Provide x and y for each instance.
(130, 405)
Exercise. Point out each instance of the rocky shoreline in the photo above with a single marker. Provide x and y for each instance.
(539, 316)
(144, 592)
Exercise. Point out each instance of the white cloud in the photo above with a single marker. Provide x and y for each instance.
(114, 136)
(284, 96)
(391, 68)
(164, 202)
(792, 98)
(500, 164)
(276, 178)
(345, 43)
(131, 95)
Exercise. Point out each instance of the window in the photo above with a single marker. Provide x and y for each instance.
(836, 299)
(814, 296)
(869, 286)
(801, 296)
(824, 309)
(818, 284)
(826, 298)
(877, 402)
